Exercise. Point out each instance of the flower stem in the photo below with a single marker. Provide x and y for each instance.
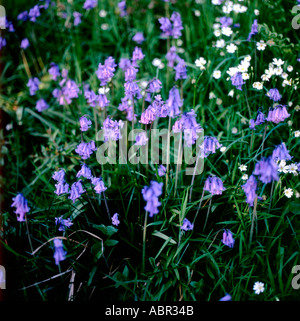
(144, 242)
(168, 155)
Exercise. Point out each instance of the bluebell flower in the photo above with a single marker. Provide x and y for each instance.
(115, 219)
(266, 170)
(59, 253)
(85, 172)
(187, 225)
(250, 190)
(63, 223)
(20, 203)
(150, 195)
(76, 191)
(214, 185)
(228, 238)
(41, 105)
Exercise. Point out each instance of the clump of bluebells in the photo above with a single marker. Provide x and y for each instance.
(124, 88)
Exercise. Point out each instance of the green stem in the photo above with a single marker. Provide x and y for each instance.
(144, 242)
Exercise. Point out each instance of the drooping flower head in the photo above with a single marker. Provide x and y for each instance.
(20, 203)
(63, 223)
(115, 219)
(171, 27)
(76, 191)
(33, 85)
(150, 195)
(84, 123)
(228, 238)
(172, 56)
(266, 170)
(59, 176)
(54, 71)
(89, 4)
(122, 8)
(85, 150)
(278, 114)
(274, 94)
(250, 190)
(112, 129)
(281, 153)
(41, 105)
(34, 12)
(237, 80)
(209, 146)
(105, 72)
(25, 43)
(174, 102)
(161, 170)
(187, 225)
(180, 69)
(138, 38)
(84, 171)
(99, 185)
(254, 29)
(59, 253)
(214, 185)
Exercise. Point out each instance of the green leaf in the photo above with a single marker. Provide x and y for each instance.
(107, 230)
(164, 236)
(294, 207)
(111, 242)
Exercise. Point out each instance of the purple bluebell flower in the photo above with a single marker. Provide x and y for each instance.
(126, 105)
(21, 205)
(214, 185)
(59, 176)
(99, 185)
(141, 139)
(85, 150)
(180, 69)
(33, 85)
(174, 102)
(137, 55)
(209, 146)
(161, 109)
(61, 188)
(254, 29)
(77, 18)
(266, 170)
(2, 42)
(226, 21)
(278, 114)
(85, 172)
(166, 27)
(260, 119)
(227, 297)
(25, 43)
(172, 56)
(187, 225)
(148, 116)
(154, 85)
(76, 191)
(138, 38)
(63, 223)
(124, 63)
(85, 123)
(115, 219)
(112, 129)
(188, 124)
(41, 105)
(59, 253)
(177, 25)
(170, 29)
(89, 4)
(274, 94)
(237, 80)
(54, 71)
(162, 170)
(23, 16)
(122, 8)
(34, 12)
(228, 238)
(105, 72)
(280, 153)
(250, 190)
(150, 195)
(130, 73)
(132, 89)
